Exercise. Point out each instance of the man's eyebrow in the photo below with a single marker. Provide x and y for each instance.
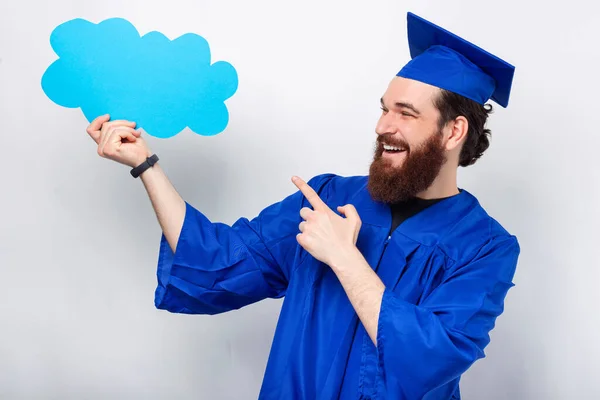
(401, 104)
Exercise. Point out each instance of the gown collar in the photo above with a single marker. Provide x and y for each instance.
(427, 226)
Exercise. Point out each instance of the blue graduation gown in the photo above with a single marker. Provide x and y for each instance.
(446, 270)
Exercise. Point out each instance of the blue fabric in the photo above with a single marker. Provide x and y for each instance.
(445, 60)
(447, 271)
(444, 68)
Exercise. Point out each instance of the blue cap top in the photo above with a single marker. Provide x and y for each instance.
(442, 59)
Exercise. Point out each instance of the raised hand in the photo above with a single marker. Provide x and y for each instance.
(324, 234)
(118, 141)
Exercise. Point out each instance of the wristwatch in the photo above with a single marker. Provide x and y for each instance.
(150, 161)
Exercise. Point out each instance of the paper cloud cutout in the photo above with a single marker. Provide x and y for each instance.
(163, 85)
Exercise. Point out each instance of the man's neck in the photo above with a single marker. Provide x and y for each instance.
(445, 185)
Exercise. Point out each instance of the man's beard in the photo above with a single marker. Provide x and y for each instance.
(416, 174)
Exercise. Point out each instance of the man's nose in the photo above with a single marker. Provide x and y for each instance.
(384, 126)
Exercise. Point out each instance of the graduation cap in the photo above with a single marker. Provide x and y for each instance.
(442, 59)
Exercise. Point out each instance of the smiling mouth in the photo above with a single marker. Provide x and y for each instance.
(392, 149)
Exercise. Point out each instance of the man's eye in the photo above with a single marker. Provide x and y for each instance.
(407, 114)
(383, 109)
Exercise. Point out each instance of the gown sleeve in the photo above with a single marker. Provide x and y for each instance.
(217, 268)
(422, 347)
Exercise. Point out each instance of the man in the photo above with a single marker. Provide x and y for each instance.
(392, 282)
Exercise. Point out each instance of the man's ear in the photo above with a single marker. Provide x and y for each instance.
(456, 132)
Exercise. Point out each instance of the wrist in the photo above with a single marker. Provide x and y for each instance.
(345, 258)
(139, 160)
(144, 166)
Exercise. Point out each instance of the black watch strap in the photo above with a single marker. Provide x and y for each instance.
(150, 161)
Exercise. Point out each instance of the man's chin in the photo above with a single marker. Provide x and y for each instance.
(382, 167)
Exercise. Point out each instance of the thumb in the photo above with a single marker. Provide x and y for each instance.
(349, 211)
(124, 133)
(352, 216)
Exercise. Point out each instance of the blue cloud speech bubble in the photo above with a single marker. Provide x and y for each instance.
(163, 85)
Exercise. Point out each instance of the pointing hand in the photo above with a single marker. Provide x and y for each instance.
(325, 234)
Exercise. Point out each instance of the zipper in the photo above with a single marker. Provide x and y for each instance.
(385, 244)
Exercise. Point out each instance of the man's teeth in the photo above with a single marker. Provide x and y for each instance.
(391, 148)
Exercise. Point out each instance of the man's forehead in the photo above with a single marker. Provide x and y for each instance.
(404, 90)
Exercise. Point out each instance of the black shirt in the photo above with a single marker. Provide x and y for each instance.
(403, 210)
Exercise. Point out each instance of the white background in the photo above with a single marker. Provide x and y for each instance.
(79, 240)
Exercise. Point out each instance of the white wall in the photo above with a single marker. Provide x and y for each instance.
(79, 241)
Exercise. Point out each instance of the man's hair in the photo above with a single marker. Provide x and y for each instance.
(451, 106)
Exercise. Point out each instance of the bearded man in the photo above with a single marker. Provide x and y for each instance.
(391, 281)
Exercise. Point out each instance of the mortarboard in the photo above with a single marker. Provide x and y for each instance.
(442, 59)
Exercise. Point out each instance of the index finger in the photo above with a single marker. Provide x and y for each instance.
(310, 194)
(96, 124)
